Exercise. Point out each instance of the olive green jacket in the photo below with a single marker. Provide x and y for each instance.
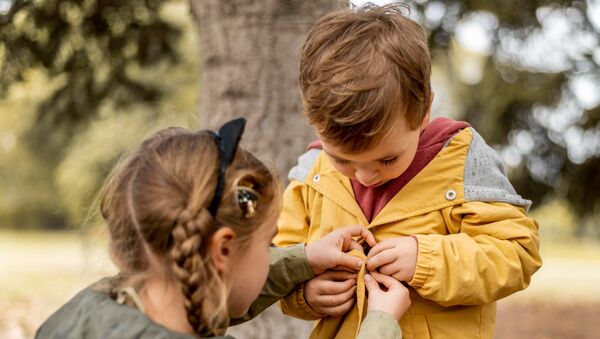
(92, 313)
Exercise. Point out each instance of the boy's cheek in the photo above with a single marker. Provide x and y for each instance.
(345, 170)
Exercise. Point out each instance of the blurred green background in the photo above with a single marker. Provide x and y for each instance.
(82, 82)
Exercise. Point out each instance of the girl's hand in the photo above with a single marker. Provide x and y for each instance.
(331, 293)
(394, 301)
(330, 251)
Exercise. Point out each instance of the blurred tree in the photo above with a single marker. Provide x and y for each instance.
(73, 63)
(523, 100)
(250, 51)
(524, 92)
(26, 195)
(93, 50)
(534, 92)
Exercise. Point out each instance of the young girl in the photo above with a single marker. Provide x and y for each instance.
(191, 218)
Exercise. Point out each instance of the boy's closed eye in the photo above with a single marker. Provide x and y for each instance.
(389, 162)
(385, 162)
(341, 162)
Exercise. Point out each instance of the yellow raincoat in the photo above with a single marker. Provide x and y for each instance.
(475, 242)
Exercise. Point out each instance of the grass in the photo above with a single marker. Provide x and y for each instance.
(571, 249)
(46, 265)
(42, 270)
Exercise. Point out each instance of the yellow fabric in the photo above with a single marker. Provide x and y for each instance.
(470, 253)
(347, 326)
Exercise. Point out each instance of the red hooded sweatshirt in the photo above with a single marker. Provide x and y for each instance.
(433, 138)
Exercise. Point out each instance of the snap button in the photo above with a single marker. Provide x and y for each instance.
(450, 195)
(316, 178)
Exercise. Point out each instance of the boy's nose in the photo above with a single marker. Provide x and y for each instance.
(365, 177)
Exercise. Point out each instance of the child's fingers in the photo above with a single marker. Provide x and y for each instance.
(368, 236)
(348, 260)
(332, 300)
(371, 284)
(354, 231)
(338, 310)
(347, 234)
(382, 246)
(354, 245)
(380, 259)
(389, 269)
(352, 270)
(386, 280)
(341, 287)
(338, 275)
(335, 287)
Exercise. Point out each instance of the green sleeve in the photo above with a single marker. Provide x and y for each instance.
(288, 268)
(379, 325)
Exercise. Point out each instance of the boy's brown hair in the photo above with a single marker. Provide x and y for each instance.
(360, 70)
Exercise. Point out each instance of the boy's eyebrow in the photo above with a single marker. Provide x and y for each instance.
(390, 156)
(380, 159)
(333, 156)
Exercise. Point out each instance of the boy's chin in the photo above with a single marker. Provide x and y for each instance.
(377, 184)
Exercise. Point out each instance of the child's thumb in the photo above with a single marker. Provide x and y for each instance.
(349, 261)
(371, 284)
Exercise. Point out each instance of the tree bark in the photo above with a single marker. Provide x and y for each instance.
(250, 57)
(249, 51)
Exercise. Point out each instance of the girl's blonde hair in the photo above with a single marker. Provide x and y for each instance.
(156, 206)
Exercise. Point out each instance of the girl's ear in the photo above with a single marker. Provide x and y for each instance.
(221, 249)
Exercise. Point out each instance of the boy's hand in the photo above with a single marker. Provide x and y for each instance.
(329, 251)
(331, 293)
(395, 257)
(394, 301)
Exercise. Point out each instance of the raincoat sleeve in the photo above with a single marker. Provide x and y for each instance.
(293, 229)
(294, 220)
(288, 267)
(380, 325)
(491, 252)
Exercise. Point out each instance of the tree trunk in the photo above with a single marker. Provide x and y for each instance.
(249, 52)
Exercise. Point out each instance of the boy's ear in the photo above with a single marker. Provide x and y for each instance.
(427, 117)
(221, 249)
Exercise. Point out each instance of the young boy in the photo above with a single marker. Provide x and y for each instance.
(447, 221)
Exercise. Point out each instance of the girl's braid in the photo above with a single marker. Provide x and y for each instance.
(203, 304)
